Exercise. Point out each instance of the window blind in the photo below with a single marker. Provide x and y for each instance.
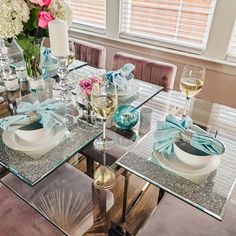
(177, 23)
(89, 13)
(231, 52)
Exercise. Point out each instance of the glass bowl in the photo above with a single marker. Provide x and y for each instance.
(126, 117)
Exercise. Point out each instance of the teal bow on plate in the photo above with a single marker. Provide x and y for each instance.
(49, 65)
(172, 130)
(120, 77)
(49, 113)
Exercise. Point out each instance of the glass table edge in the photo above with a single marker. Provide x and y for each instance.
(30, 183)
(218, 217)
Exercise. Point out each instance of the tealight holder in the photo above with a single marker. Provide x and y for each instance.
(126, 117)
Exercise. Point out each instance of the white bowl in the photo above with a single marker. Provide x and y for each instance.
(32, 135)
(191, 156)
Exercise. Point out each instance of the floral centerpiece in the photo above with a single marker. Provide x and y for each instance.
(86, 86)
(26, 21)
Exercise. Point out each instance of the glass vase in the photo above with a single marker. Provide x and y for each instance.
(31, 52)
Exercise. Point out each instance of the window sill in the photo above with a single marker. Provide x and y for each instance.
(88, 28)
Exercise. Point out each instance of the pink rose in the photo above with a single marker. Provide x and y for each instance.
(43, 19)
(42, 2)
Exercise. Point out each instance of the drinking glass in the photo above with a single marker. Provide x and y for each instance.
(104, 103)
(71, 116)
(71, 56)
(72, 73)
(191, 82)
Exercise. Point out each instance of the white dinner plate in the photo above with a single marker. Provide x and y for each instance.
(172, 163)
(10, 138)
(132, 89)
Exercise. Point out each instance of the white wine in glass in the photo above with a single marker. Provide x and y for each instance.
(191, 82)
(71, 58)
(104, 103)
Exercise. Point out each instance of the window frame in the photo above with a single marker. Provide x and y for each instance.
(170, 44)
(230, 56)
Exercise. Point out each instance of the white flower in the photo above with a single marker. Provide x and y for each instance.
(13, 13)
(61, 10)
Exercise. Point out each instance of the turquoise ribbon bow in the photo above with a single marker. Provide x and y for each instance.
(121, 76)
(48, 64)
(47, 113)
(172, 130)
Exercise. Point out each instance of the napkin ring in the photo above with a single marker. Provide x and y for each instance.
(186, 136)
(32, 116)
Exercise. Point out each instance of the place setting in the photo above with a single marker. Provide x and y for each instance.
(180, 145)
(127, 86)
(186, 149)
(36, 129)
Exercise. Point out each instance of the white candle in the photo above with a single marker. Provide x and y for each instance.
(58, 34)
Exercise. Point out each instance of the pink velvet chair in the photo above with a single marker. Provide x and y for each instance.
(155, 72)
(93, 54)
(19, 219)
(173, 217)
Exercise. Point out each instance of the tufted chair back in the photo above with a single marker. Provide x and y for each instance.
(156, 72)
(93, 54)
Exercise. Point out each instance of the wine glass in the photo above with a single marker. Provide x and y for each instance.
(71, 56)
(71, 116)
(191, 82)
(72, 74)
(104, 103)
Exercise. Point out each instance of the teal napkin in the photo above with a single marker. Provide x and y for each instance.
(120, 77)
(47, 113)
(172, 130)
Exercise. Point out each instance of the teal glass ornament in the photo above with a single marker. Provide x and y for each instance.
(126, 116)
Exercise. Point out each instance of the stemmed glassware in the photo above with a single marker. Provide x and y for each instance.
(191, 82)
(72, 73)
(104, 103)
(71, 116)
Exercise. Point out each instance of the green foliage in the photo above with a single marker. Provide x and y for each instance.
(31, 49)
(33, 21)
(30, 41)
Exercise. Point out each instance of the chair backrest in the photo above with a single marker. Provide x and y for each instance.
(93, 54)
(155, 72)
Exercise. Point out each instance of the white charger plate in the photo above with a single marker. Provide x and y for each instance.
(10, 138)
(172, 163)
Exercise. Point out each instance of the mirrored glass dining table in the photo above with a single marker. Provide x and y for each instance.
(54, 188)
(49, 180)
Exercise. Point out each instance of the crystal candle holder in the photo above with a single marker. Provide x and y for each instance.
(65, 94)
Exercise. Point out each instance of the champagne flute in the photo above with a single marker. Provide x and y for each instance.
(71, 56)
(104, 103)
(72, 74)
(71, 116)
(191, 82)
